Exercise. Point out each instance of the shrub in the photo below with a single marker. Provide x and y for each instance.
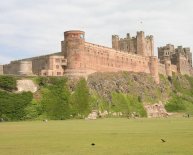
(8, 83)
(12, 106)
(55, 99)
(33, 110)
(80, 99)
(176, 104)
(127, 104)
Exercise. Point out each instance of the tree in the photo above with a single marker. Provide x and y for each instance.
(8, 83)
(81, 98)
(55, 99)
(12, 106)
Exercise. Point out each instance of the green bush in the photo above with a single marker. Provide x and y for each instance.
(80, 99)
(33, 110)
(12, 106)
(8, 83)
(55, 99)
(176, 104)
(127, 104)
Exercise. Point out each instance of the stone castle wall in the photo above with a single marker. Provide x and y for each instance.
(135, 45)
(105, 59)
(80, 58)
(1, 69)
(161, 69)
(12, 68)
(179, 58)
(84, 57)
(47, 65)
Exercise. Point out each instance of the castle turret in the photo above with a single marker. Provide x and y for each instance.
(150, 41)
(74, 46)
(25, 68)
(153, 66)
(168, 67)
(115, 42)
(141, 42)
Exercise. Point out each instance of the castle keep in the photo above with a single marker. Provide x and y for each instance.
(81, 58)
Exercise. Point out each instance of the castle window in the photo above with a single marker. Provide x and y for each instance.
(63, 61)
(58, 73)
(82, 36)
(57, 66)
(57, 60)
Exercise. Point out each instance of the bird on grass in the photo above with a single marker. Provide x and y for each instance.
(93, 144)
(163, 141)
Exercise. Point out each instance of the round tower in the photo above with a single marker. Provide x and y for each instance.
(141, 43)
(115, 42)
(168, 67)
(74, 47)
(154, 68)
(25, 68)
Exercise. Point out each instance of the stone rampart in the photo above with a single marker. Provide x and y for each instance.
(1, 69)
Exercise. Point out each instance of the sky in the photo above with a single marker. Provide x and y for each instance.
(35, 27)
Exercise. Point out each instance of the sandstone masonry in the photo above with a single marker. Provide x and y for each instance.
(81, 58)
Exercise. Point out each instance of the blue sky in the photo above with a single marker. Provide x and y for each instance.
(35, 27)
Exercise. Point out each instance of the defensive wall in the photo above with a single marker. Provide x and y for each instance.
(81, 58)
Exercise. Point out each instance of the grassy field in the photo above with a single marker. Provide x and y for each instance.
(111, 137)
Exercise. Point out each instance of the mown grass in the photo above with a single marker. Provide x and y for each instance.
(117, 136)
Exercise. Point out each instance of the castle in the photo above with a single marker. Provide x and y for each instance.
(81, 58)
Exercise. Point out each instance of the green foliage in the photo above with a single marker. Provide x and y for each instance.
(190, 80)
(127, 104)
(8, 83)
(33, 110)
(175, 104)
(12, 106)
(80, 99)
(98, 102)
(182, 98)
(55, 99)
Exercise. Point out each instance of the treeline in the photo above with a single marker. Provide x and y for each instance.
(12, 105)
(56, 101)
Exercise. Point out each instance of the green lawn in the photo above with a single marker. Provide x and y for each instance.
(111, 136)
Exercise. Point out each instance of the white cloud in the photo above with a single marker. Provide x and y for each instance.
(35, 27)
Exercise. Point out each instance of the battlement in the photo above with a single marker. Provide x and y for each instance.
(180, 57)
(138, 44)
(81, 58)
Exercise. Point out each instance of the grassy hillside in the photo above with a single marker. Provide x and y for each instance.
(63, 98)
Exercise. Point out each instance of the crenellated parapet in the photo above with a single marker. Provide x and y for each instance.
(180, 57)
(140, 44)
(81, 58)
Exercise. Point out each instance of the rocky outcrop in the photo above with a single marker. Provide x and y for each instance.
(156, 110)
(93, 115)
(26, 85)
(138, 84)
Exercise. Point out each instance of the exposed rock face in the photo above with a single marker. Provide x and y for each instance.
(156, 110)
(26, 85)
(138, 84)
(93, 115)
